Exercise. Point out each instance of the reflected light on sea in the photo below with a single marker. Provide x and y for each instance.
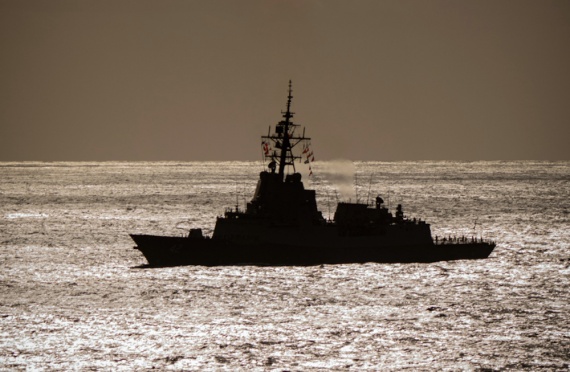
(75, 297)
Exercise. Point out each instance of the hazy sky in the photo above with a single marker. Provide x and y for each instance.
(202, 80)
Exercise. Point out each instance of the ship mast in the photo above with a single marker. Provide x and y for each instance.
(284, 139)
(286, 145)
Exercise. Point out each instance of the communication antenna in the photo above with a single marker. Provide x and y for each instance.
(329, 204)
(369, 187)
(356, 186)
(237, 196)
(244, 197)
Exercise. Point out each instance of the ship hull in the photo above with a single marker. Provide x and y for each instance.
(179, 251)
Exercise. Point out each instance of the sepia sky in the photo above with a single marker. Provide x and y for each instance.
(202, 80)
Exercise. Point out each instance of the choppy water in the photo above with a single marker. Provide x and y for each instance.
(72, 296)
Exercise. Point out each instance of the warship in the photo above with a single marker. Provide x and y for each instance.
(282, 226)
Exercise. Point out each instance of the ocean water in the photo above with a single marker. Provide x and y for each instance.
(74, 296)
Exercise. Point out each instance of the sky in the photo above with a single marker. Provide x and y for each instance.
(193, 80)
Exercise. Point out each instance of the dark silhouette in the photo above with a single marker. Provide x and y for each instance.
(282, 225)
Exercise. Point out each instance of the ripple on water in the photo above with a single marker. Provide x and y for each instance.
(72, 297)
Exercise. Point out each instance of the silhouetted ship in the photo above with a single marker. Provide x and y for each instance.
(281, 225)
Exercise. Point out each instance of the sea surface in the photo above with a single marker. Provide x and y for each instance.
(74, 294)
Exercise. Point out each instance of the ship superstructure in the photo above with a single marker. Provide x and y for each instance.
(282, 225)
